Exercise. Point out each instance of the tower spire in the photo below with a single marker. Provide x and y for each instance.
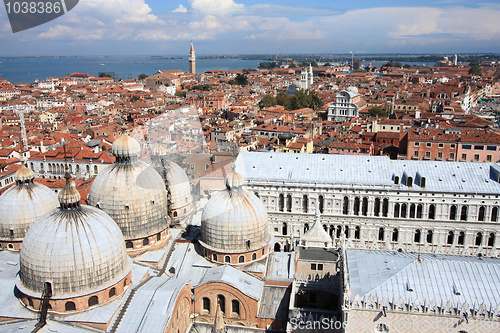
(192, 60)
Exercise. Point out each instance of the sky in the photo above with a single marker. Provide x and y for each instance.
(166, 27)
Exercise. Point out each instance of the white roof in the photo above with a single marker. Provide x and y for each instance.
(432, 278)
(244, 282)
(376, 171)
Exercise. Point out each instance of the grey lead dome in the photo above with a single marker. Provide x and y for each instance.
(234, 219)
(78, 249)
(22, 204)
(131, 192)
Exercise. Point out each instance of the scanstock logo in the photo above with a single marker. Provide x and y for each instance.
(26, 14)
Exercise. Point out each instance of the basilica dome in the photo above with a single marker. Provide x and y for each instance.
(21, 205)
(177, 185)
(78, 250)
(353, 90)
(234, 221)
(133, 194)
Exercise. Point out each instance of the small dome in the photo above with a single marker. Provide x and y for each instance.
(126, 146)
(234, 180)
(353, 90)
(69, 194)
(235, 220)
(22, 204)
(79, 250)
(160, 151)
(24, 174)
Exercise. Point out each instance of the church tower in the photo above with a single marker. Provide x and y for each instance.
(192, 60)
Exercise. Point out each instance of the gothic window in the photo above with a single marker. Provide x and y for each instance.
(480, 216)
(281, 202)
(376, 207)
(306, 227)
(396, 180)
(345, 208)
(385, 207)
(432, 211)
(453, 212)
(346, 231)
(214, 257)
(321, 204)
(305, 203)
(395, 235)
(412, 211)
(284, 229)
(403, 210)
(429, 236)
(419, 211)
(463, 215)
(491, 240)
(396, 209)
(364, 207)
(357, 233)
(416, 237)
(494, 214)
(479, 239)
(461, 238)
(381, 234)
(227, 259)
(451, 236)
(289, 203)
(356, 206)
(254, 256)
(112, 292)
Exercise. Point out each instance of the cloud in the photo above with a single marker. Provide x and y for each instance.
(180, 9)
(216, 7)
(233, 25)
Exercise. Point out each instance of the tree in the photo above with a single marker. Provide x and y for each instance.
(104, 74)
(283, 99)
(328, 64)
(378, 112)
(241, 79)
(142, 76)
(134, 98)
(314, 63)
(475, 69)
(180, 93)
(303, 99)
(267, 100)
(293, 65)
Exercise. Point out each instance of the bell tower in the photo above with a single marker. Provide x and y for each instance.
(192, 60)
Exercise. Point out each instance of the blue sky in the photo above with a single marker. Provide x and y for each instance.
(159, 27)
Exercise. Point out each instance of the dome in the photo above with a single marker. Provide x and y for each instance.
(133, 194)
(177, 184)
(235, 220)
(353, 90)
(21, 205)
(125, 146)
(79, 250)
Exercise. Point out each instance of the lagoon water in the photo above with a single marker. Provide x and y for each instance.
(29, 69)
